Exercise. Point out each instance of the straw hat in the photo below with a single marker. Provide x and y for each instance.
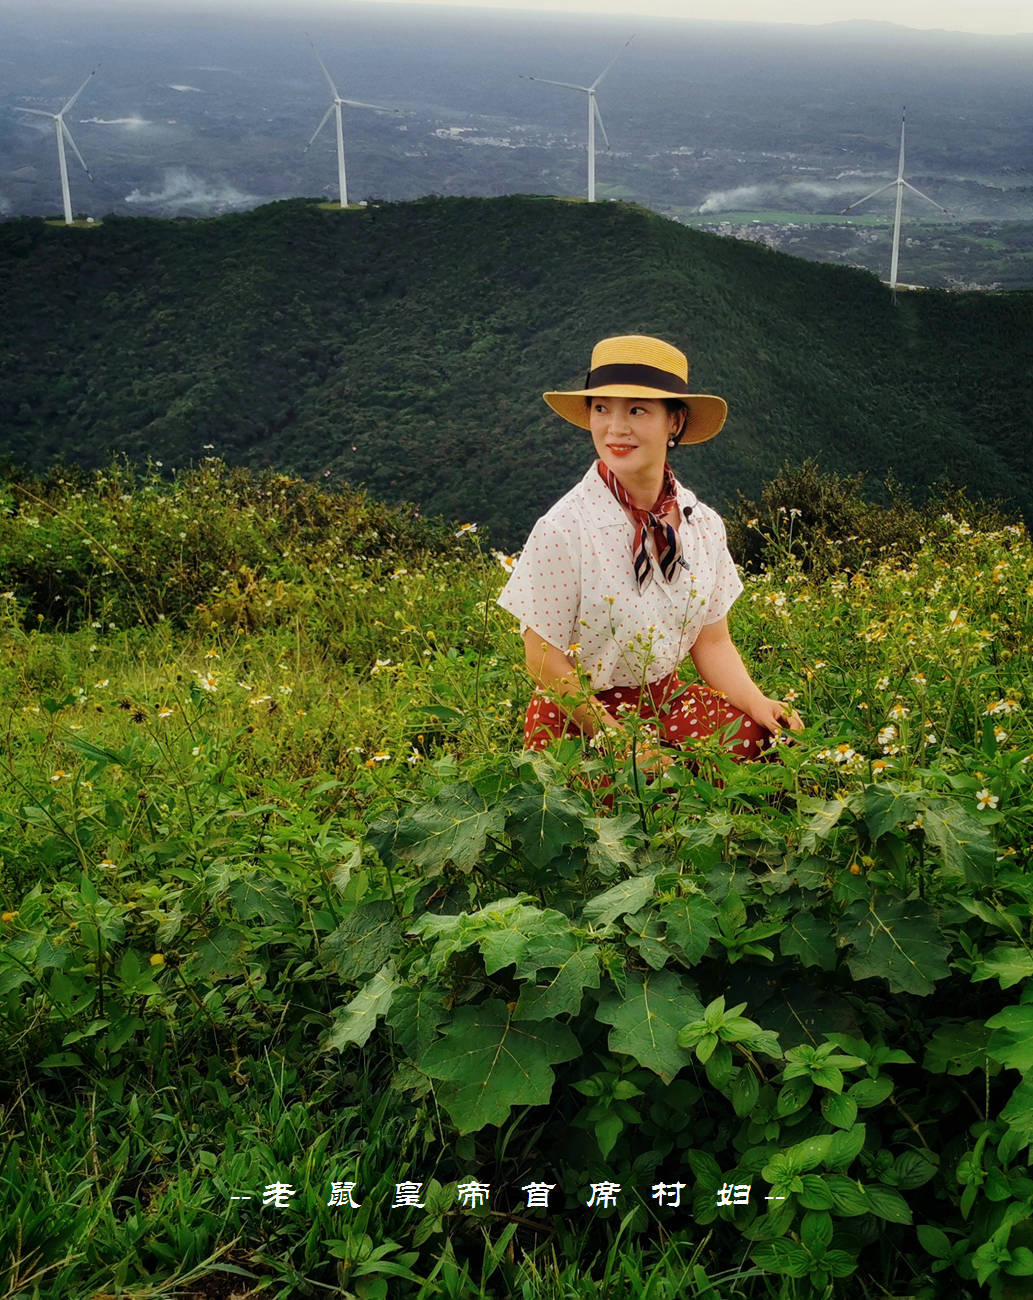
(635, 365)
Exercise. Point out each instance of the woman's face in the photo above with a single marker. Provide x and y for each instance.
(630, 433)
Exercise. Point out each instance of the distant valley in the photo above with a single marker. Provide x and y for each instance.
(749, 131)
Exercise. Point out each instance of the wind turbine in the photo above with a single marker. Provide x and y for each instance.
(900, 183)
(335, 107)
(593, 112)
(62, 130)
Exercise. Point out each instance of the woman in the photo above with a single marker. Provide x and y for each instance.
(629, 573)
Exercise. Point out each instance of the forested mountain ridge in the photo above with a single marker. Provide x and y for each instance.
(405, 346)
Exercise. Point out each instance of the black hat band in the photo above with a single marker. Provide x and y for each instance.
(631, 373)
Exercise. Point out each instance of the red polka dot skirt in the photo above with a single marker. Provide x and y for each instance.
(681, 714)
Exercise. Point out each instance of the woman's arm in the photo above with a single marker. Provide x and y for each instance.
(556, 673)
(721, 667)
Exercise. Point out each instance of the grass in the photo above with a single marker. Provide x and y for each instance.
(162, 752)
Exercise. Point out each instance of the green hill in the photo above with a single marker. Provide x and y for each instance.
(405, 346)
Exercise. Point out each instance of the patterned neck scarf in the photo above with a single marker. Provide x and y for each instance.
(665, 537)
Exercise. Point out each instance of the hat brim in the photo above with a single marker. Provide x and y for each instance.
(706, 413)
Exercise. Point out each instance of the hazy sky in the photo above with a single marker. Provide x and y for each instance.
(990, 17)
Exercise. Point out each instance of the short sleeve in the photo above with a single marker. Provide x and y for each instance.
(544, 589)
(727, 583)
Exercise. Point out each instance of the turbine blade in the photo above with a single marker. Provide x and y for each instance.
(914, 190)
(80, 91)
(319, 128)
(599, 119)
(333, 88)
(38, 111)
(889, 185)
(612, 62)
(567, 84)
(75, 148)
(358, 103)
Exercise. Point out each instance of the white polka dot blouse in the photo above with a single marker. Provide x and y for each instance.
(574, 584)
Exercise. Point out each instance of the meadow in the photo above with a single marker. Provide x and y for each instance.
(287, 914)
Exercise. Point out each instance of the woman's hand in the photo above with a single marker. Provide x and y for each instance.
(775, 715)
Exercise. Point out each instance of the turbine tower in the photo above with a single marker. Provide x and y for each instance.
(593, 112)
(335, 107)
(62, 130)
(900, 183)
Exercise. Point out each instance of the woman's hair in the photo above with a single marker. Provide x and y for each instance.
(673, 404)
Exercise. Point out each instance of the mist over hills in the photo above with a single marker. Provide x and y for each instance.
(197, 114)
(405, 347)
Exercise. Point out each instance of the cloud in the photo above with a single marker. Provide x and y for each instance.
(748, 196)
(731, 200)
(184, 192)
(5, 206)
(116, 121)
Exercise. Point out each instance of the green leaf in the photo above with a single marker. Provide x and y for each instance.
(1011, 1043)
(415, 1015)
(825, 817)
(551, 942)
(840, 1111)
(647, 1019)
(644, 934)
(258, 895)
(454, 828)
(899, 941)
(848, 1197)
(706, 1170)
(933, 1241)
(719, 1066)
(782, 1256)
(691, 924)
(839, 1263)
(1018, 1113)
(967, 847)
(509, 932)
(957, 1049)
(887, 1204)
(1021, 1262)
(815, 1194)
(808, 937)
(845, 1146)
(220, 955)
(607, 1130)
(543, 820)
(354, 1022)
(914, 1168)
(816, 1231)
(794, 1095)
(489, 1063)
(744, 1091)
(363, 941)
(559, 993)
(803, 1156)
(628, 896)
(607, 852)
(870, 1092)
(887, 806)
(1006, 963)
